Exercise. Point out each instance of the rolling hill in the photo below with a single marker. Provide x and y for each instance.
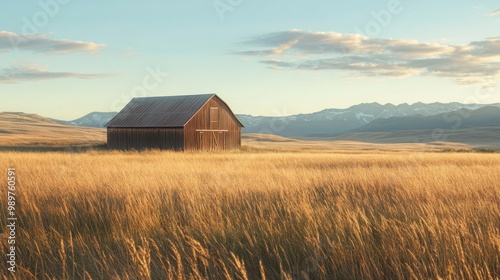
(21, 129)
(356, 144)
(477, 138)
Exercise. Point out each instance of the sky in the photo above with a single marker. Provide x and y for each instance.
(66, 58)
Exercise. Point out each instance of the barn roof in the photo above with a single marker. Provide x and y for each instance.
(162, 111)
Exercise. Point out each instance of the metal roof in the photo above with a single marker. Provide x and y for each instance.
(162, 111)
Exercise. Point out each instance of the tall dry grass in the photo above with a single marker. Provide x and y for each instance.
(166, 215)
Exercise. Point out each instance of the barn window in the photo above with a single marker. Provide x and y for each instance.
(214, 117)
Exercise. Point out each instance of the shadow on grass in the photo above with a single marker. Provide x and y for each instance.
(476, 150)
(42, 149)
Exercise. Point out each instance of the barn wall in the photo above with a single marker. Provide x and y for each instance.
(145, 138)
(214, 137)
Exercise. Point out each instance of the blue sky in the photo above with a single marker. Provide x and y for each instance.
(66, 58)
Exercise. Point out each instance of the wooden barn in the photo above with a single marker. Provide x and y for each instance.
(189, 122)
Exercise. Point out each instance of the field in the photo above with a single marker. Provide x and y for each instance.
(256, 214)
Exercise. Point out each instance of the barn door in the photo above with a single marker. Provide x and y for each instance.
(211, 140)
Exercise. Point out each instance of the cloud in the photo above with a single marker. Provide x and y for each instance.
(495, 12)
(295, 49)
(40, 43)
(34, 73)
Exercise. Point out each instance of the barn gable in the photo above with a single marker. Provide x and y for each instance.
(193, 122)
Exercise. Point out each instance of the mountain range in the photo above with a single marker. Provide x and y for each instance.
(365, 117)
(488, 116)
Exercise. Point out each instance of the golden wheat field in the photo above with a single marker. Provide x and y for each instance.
(255, 215)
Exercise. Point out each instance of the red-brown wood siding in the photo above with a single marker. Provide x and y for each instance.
(202, 134)
(145, 138)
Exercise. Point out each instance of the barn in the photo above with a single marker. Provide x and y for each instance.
(187, 122)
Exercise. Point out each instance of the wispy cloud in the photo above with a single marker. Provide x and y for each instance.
(495, 12)
(473, 63)
(34, 73)
(40, 43)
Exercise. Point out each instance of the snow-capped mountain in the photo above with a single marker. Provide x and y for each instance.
(331, 122)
